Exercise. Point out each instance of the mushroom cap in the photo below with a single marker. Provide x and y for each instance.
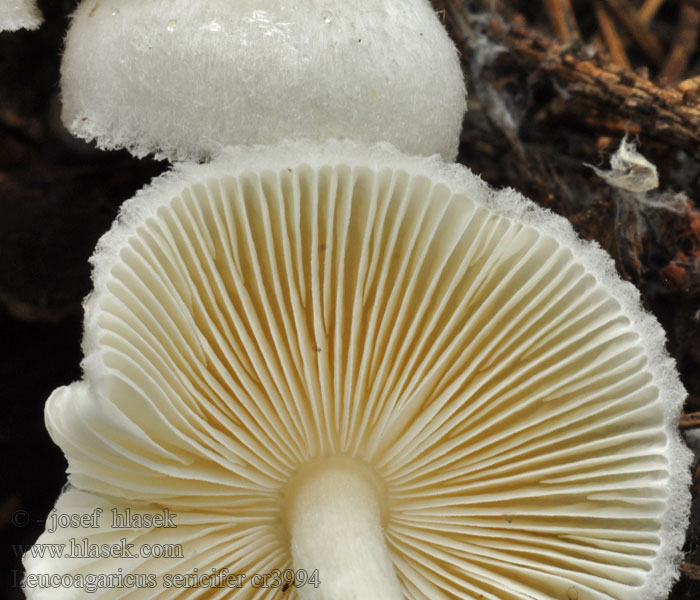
(19, 14)
(287, 305)
(181, 78)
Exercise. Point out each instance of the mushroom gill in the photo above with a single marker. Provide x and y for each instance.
(300, 347)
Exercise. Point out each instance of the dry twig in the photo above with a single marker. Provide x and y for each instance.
(637, 29)
(563, 19)
(685, 42)
(648, 10)
(692, 84)
(690, 420)
(613, 41)
(663, 113)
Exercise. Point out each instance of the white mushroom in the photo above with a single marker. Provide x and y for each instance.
(19, 14)
(181, 78)
(341, 360)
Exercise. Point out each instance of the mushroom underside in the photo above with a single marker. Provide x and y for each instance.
(495, 405)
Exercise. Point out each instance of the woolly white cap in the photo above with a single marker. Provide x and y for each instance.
(19, 14)
(180, 78)
(338, 357)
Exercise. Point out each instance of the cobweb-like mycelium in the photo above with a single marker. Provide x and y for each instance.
(375, 372)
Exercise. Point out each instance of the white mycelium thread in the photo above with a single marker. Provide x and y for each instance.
(180, 78)
(19, 14)
(460, 350)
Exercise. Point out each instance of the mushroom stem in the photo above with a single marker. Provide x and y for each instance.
(336, 528)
